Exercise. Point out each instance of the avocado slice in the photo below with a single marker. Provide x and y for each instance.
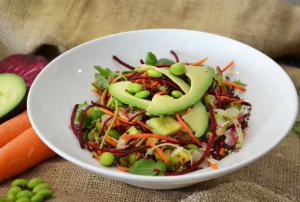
(12, 92)
(163, 125)
(197, 119)
(118, 90)
(201, 78)
(181, 83)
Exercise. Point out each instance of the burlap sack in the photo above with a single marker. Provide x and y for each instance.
(271, 26)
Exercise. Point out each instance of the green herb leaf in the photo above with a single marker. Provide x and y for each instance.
(148, 167)
(102, 77)
(101, 81)
(105, 72)
(296, 128)
(79, 111)
(164, 61)
(150, 59)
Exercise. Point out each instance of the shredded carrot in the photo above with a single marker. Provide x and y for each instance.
(159, 151)
(106, 111)
(236, 86)
(228, 66)
(111, 141)
(238, 101)
(122, 168)
(153, 84)
(162, 92)
(128, 74)
(213, 165)
(222, 151)
(199, 62)
(112, 79)
(96, 92)
(188, 130)
(144, 135)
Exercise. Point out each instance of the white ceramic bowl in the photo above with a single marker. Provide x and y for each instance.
(67, 81)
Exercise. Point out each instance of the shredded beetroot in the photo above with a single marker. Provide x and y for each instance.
(162, 66)
(99, 105)
(162, 81)
(129, 151)
(213, 127)
(122, 62)
(121, 152)
(136, 115)
(72, 123)
(134, 75)
(142, 61)
(175, 55)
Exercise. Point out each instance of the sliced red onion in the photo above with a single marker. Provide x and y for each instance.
(230, 140)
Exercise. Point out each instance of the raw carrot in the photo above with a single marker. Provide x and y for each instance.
(222, 151)
(111, 141)
(213, 165)
(160, 152)
(236, 86)
(228, 66)
(162, 137)
(122, 168)
(22, 153)
(188, 130)
(199, 62)
(13, 127)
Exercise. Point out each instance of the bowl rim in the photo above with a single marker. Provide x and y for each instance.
(178, 179)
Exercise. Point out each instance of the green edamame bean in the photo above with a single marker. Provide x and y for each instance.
(176, 94)
(177, 69)
(106, 159)
(14, 190)
(25, 193)
(37, 198)
(10, 197)
(46, 193)
(34, 182)
(132, 158)
(134, 87)
(41, 187)
(192, 147)
(19, 182)
(23, 199)
(151, 59)
(94, 113)
(142, 94)
(154, 73)
(98, 125)
(114, 133)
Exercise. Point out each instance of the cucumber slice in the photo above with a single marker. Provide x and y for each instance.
(12, 92)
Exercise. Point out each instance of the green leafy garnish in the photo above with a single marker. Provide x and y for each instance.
(296, 128)
(164, 61)
(151, 59)
(148, 167)
(79, 111)
(102, 77)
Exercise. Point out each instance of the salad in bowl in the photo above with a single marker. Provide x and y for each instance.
(163, 117)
